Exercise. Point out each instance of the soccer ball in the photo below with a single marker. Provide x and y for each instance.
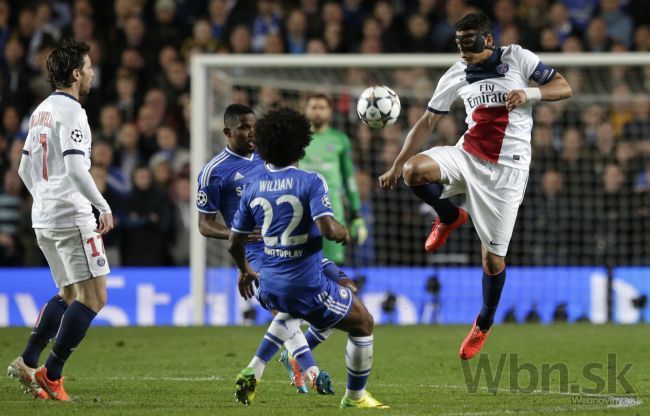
(378, 106)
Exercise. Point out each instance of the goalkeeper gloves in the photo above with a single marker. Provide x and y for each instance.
(358, 231)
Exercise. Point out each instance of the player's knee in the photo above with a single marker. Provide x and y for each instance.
(411, 173)
(493, 264)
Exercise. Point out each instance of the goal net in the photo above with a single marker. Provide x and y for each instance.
(587, 202)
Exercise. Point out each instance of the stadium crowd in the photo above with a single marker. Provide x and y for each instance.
(588, 196)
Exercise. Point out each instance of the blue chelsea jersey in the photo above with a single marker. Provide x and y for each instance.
(285, 202)
(222, 181)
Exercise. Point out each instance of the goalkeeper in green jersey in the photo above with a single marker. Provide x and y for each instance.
(329, 154)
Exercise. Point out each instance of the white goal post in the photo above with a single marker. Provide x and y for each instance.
(202, 88)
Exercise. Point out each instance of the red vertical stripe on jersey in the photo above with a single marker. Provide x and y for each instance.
(485, 138)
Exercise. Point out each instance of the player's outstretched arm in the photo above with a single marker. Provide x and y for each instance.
(416, 136)
(332, 229)
(247, 276)
(556, 89)
(83, 181)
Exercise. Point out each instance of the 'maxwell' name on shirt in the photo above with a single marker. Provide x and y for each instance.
(276, 185)
(487, 96)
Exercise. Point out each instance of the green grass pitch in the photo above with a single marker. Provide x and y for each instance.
(191, 371)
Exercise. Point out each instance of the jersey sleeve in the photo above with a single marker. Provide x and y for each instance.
(74, 134)
(243, 222)
(446, 91)
(319, 199)
(209, 193)
(347, 174)
(532, 67)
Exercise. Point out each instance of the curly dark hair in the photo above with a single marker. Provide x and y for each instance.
(474, 21)
(65, 58)
(282, 135)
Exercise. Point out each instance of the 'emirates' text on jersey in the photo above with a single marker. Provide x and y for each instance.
(494, 134)
(58, 128)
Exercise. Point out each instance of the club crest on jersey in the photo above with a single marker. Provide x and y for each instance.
(502, 68)
(76, 135)
(201, 198)
(326, 201)
(101, 262)
(343, 292)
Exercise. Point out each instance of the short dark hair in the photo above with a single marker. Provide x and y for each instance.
(474, 21)
(65, 58)
(233, 111)
(282, 135)
(319, 96)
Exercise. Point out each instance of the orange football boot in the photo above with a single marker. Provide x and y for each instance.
(473, 343)
(25, 375)
(54, 389)
(440, 231)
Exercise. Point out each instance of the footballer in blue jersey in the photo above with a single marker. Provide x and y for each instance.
(293, 210)
(220, 186)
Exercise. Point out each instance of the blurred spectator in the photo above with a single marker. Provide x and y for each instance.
(127, 101)
(296, 32)
(560, 23)
(168, 144)
(128, 156)
(5, 28)
(240, 40)
(316, 46)
(110, 122)
(201, 40)
(10, 219)
(146, 223)
(638, 127)
(418, 35)
(180, 247)
(102, 157)
(619, 24)
(642, 38)
(546, 216)
(266, 22)
(167, 28)
(11, 128)
(603, 151)
(148, 121)
(597, 39)
(581, 11)
(14, 72)
(392, 26)
(218, 11)
(274, 44)
(444, 32)
(505, 15)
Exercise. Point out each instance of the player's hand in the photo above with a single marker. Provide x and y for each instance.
(245, 283)
(358, 231)
(344, 237)
(105, 223)
(255, 236)
(389, 179)
(349, 283)
(515, 98)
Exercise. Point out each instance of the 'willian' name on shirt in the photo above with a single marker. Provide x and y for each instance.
(276, 185)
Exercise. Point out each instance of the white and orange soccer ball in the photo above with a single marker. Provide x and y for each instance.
(378, 106)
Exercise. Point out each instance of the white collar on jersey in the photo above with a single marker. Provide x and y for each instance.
(240, 156)
(272, 168)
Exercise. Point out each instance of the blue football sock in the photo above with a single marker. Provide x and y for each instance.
(76, 321)
(358, 359)
(315, 337)
(492, 287)
(45, 329)
(430, 193)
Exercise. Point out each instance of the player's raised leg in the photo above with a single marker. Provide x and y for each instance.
(494, 277)
(91, 298)
(422, 175)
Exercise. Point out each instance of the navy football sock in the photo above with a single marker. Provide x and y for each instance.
(430, 193)
(492, 287)
(74, 325)
(45, 329)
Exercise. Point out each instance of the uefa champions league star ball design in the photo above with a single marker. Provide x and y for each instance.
(378, 107)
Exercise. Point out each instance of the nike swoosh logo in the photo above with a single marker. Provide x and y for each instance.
(492, 243)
